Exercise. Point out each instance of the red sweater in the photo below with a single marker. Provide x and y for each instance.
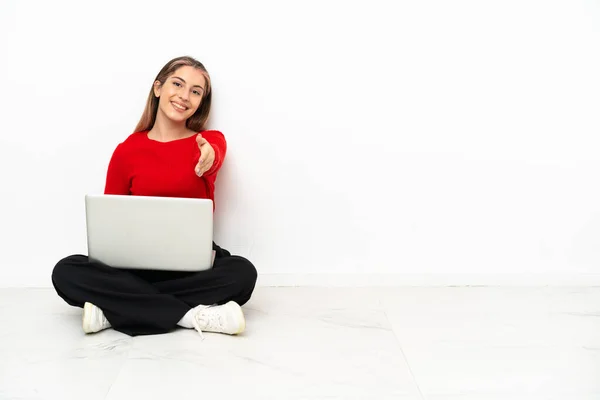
(141, 166)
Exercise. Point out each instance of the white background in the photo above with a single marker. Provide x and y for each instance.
(379, 137)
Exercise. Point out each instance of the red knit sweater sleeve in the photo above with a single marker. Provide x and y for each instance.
(117, 175)
(219, 144)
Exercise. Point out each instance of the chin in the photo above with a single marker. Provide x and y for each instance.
(173, 116)
(179, 118)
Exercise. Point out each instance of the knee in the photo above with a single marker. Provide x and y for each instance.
(63, 270)
(245, 272)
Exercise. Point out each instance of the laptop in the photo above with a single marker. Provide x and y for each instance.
(145, 232)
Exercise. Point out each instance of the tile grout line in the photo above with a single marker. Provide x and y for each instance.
(401, 350)
(107, 396)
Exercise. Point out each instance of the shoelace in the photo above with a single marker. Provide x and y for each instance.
(197, 327)
(196, 323)
(212, 319)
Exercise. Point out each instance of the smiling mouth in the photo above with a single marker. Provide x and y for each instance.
(179, 107)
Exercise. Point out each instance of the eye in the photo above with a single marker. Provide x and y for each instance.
(196, 92)
(176, 83)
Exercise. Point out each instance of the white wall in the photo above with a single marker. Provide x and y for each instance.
(409, 137)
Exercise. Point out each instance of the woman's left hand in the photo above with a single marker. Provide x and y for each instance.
(207, 156)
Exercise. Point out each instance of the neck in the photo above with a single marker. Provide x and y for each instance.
(166, 130)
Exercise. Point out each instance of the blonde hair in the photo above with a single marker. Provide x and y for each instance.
(195, 122)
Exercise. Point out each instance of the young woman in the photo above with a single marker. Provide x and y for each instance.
(170, 154)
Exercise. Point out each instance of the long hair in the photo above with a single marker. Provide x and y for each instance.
(195, 122)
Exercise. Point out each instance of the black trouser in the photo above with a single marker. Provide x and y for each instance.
(143, 302)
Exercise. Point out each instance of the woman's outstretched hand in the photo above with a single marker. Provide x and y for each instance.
(207, 156)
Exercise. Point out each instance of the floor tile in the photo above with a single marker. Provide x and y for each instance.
(43, 354)
(505, 342)
(299, 344)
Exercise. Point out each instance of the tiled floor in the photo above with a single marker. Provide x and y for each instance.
(319, 343)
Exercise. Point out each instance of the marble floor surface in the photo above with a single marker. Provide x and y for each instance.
(468, 343)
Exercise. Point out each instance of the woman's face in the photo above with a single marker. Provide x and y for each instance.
(181, 94)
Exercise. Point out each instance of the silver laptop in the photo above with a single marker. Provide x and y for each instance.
(159, 233)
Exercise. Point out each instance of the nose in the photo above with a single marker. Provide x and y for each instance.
(183, 94)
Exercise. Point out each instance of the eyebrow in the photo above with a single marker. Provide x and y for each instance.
(183, 80)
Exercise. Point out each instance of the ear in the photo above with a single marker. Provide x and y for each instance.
(157, 87)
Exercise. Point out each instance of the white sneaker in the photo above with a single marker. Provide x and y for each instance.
(93, 319)
(227, 318)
